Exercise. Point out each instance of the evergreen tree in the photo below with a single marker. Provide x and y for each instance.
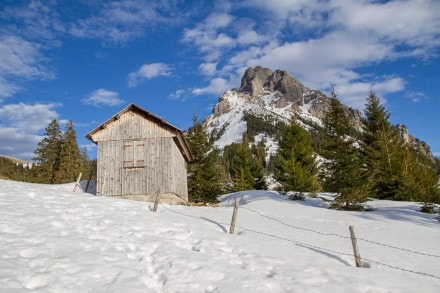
(418, 180)
(242, 166)
(295, 168)
(259, 159)
(245, 165)
(382, 149)
(343, 169)
(70, 161)
(47, 154)
(206, 172)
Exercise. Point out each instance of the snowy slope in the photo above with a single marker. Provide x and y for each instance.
(54, 240)
(228, 126)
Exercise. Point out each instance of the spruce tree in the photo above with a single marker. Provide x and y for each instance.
(70, 161)
(207, 177)
(47, 154)
(296, 168)
(259, 160)
(418, 180)
(382, 149)
(343, 170)
(241, 167)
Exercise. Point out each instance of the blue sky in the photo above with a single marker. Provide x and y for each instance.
(85, 60)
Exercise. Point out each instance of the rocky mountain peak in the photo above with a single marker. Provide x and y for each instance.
(275, 96)
(258, 80)
(254, 79)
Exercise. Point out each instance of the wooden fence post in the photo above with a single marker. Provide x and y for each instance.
(357, 256)
(77, 185)
(234, 216)
(156, 201)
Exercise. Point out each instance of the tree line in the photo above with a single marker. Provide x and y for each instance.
(376, 162)
(58, 158)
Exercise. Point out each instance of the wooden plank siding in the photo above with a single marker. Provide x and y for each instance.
(131, 126)
(137, 156)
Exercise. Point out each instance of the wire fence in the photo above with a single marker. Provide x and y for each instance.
(316, 247)
(338, 235)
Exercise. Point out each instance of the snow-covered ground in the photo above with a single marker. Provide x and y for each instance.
(54, 240)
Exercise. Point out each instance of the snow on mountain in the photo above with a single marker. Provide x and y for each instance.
(54, 240)
(274, 96)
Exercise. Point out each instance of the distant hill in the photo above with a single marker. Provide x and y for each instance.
(16, 161)
(15, 169)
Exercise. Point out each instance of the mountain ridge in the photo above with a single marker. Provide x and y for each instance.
(276, 96)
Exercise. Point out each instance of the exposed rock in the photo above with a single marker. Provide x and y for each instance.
(284, 83)
(418, 145)
(319, 108)
(223, 106)
(253, 80)
(258, 80)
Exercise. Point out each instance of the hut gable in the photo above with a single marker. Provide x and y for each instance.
(133, 123)
(140, 153)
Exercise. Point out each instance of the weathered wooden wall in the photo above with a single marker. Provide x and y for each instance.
(131, 126)
(157, 161)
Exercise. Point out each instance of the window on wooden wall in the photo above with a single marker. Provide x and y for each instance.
(134, 154)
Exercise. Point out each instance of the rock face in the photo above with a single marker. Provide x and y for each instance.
(222, 107)
(281, 81)
(420, 146)
(253, 80)
(258, 80)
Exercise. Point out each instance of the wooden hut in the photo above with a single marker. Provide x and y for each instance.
(138, 154)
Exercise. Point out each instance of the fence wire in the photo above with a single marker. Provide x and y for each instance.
(338, 235)
(303, 244)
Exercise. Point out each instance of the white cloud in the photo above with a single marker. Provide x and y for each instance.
(102, 97)
(123, 21)
(306, 14)
(218, 20)
(37, 21)
(17, 144)
(19, 57)
(19, 60)
(26, 117)
(179, 95)
(7, 89)
(208, 69)
(319, 42)
(148, 71)
(353, 93)
(416, 96)
(413, 23)
(216, 86)
(20, 125)
(219, 33)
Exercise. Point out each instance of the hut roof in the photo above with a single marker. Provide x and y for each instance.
(179, 139)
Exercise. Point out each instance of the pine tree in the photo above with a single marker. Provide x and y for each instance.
(296, 168)
(47, 154)
(343, 169)
(206, 172)
(382, 149)
(70, 161)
